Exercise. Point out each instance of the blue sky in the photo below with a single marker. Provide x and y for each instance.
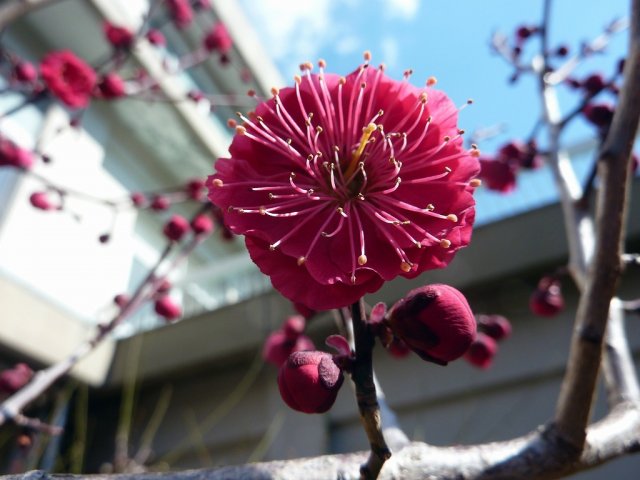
(449, 40)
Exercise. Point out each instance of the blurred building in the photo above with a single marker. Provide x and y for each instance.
(201, 395)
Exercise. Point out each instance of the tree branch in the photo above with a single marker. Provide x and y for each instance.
(572, 412)
(540, 454)
(362, 376)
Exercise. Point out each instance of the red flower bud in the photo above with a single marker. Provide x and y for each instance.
(41, 201)
(138, 199)
(118, 37)
(593, 84)
(496, 326)
(13, 379)
(111, 86)
(181, 12)
(497, 175)
(599, 114)
(278, 346)
(202, 224)
(293, 326)
(176, 228)
(218, 39)
(435, 321)
(167, 308)
(14, 156)
(195, 189)
(160, 202)
(25, 72)
(309, 381)
(481, 351)
(547, 300)
(121, 300)
(156, 38)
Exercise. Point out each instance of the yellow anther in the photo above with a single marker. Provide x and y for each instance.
(405, 267)
(217, 182)
(231, 123)
(362, 260)
(322, 63)
(423, 97)
(367, 55)
(431, 81)
(444, 243)
(476, 182)
(355, 158)
(275, 91)
(452, 217)
(262, 210)
(297, 79)
(240, 130)
(301, 261)
(475, 153)
(430, 207)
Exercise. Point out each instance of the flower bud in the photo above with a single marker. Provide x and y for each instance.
(435, 321)
(167, 308)
(121, 300)
(309, 381)
(160, 203)
(218, 39)
(598, 114)
(176, 228)
(481, 351)
(496, 326)
(195, 189)
(14, 156)
(25, 72)
(497, 175)
(138, 199)
(118, 37)
(202, 224)
(547, 300)
(156, 37)
(277, 347)
(293, 326)
(40, 200)
(594, 83)
(111, 86)
(13, 379)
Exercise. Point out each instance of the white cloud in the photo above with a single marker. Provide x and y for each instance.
(390, 51)
(404, 9)
(293, 29)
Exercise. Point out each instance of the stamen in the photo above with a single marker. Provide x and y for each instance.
(355, 158)
(476, 182)
(444, 243)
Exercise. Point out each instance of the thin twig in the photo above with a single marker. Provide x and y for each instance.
(362, 375)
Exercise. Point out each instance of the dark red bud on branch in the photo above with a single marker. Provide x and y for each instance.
(309, 381)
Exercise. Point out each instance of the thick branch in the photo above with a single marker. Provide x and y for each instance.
(572, 412)
(538, 455)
